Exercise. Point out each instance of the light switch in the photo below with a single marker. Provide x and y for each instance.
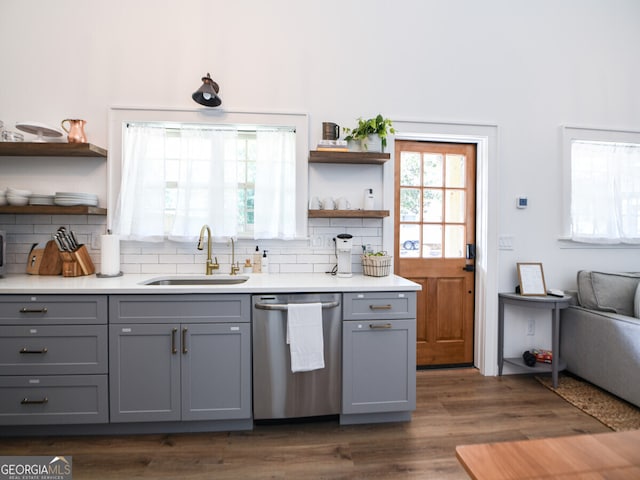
(505, 242)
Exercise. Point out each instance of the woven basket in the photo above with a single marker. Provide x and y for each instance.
(376, 266)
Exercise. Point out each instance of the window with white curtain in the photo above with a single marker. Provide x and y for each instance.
(240, 180)
(604, 192)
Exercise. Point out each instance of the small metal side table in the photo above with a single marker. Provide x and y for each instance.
(554, 305)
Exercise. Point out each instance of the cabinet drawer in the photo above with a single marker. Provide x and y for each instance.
(52, 309)
(378, 305)
(60, 399)
(42, 350)
(179, 308)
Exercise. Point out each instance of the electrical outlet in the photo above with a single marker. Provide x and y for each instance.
(95, 241)
(531, 327)
(317, 241)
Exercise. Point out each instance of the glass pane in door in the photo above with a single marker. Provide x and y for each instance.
(455, 171)
(432, 170)
(432, 209)
(431, 241)
(454, 241)
(410, 169)
(454, 206)
(409, 240)
(409, 204)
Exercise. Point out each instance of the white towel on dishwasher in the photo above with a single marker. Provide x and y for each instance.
(304, 336)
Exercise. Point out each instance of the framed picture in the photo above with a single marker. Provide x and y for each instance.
(531, 278)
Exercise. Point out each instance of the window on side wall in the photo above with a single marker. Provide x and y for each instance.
(602, 186)
(240, 179)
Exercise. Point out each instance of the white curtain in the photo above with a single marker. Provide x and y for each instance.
(605, 192)
(140, 208)
(206, 185)
(275, 185)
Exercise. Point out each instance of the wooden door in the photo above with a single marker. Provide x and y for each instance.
(434, 235)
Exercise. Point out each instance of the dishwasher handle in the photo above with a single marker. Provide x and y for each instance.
(284, 306)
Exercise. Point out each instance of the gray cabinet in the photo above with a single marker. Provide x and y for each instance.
(183, 360)
(53, 359)
(379, 350)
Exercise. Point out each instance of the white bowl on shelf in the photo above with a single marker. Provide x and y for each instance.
(17, 200)
(18, 192)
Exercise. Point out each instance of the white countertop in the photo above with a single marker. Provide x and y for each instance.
(22, 284)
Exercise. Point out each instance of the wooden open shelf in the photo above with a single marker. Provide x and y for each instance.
(53, 210)
(372, 158)
(44, 149)
(348, 213)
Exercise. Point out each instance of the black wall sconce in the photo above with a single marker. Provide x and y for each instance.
(207, 94)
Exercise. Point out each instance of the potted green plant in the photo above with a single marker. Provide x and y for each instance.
(367, 130)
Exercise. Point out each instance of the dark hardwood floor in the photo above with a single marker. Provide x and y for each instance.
(454, 407)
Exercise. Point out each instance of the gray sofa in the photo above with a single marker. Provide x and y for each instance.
(600, 335)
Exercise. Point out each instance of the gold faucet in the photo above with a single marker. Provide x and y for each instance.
(234, 268)
(211, 266)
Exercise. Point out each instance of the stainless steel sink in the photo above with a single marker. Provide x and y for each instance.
(197, 280)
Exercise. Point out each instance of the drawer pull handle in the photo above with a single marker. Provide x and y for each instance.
(184, 341)
(174, 350)
(380, 307)
(386, 325)
(33, 310)
(26, 401)
(25, 350)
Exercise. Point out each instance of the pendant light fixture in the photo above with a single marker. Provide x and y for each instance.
(207, 94)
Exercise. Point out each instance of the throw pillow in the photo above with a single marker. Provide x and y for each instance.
(636, 303)
(615, 292)
(586, 295)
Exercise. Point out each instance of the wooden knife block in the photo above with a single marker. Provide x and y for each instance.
(77, 263)
(45, 261)
(51, 261)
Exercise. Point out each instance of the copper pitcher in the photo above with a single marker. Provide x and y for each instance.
(75, 132)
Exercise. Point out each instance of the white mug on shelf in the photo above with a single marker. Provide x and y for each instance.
(314, 203)
(328, 204)
(344, 204)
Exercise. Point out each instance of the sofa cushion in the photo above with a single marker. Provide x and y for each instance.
(586, 295)
(608, 292)
(636, 303)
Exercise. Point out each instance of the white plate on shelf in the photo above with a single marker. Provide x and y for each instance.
(38, 129)
(38, 199)
(70, 203)
(76, 195)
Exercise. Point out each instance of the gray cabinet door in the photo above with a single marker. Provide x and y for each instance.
(216, 372)
(144, 372)
(379, 373)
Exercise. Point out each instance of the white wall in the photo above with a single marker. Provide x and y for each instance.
(527, 67)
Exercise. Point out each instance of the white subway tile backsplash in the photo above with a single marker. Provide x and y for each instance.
(190, 268)
(32, 219)
(295, 268)
(177, 259)
(317, 254)
(159, 268)
(142, 259)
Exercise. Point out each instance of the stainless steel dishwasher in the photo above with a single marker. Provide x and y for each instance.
(277, 392)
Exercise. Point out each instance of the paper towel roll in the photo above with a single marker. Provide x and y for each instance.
(110, 254)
